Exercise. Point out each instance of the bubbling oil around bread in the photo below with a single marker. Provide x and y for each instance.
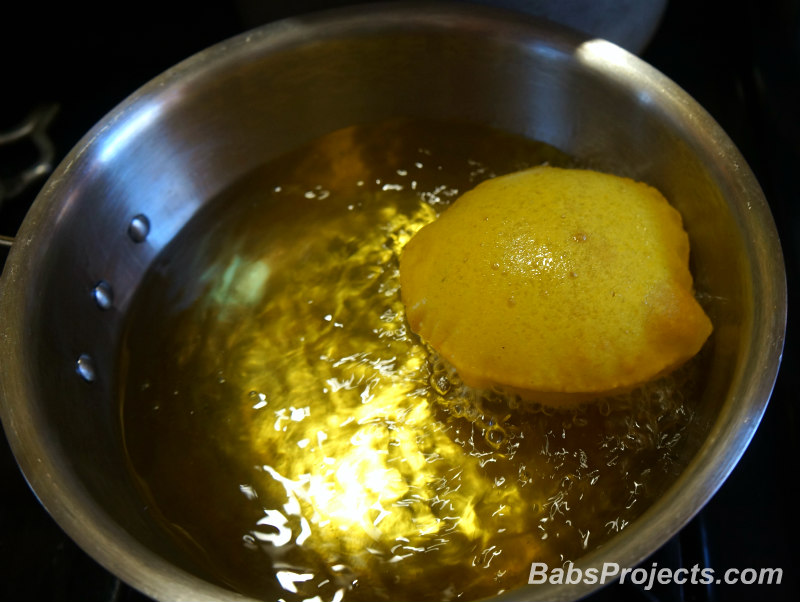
(301, 443)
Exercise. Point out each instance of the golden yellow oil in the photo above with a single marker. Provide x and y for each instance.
(291, 432)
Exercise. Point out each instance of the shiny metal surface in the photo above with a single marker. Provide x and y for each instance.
(187, 135)
(627, 23)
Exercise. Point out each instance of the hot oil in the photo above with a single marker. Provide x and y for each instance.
(287, 427)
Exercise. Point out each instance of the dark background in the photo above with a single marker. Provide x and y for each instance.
(741, 61)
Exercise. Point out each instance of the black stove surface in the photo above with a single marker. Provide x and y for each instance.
(740, 61)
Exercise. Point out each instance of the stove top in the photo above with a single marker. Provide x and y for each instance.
(742, 65)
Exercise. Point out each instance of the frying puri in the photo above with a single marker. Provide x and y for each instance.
(560, 285)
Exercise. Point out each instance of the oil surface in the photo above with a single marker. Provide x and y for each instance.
(291, 432)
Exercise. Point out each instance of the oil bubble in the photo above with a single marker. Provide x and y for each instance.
(440, 383)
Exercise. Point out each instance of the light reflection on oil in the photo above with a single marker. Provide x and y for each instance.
(387, 480)
(301, 442)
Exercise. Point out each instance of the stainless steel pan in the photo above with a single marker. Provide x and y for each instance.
(135, 179)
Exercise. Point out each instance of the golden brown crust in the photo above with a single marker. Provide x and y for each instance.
(557, 284)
